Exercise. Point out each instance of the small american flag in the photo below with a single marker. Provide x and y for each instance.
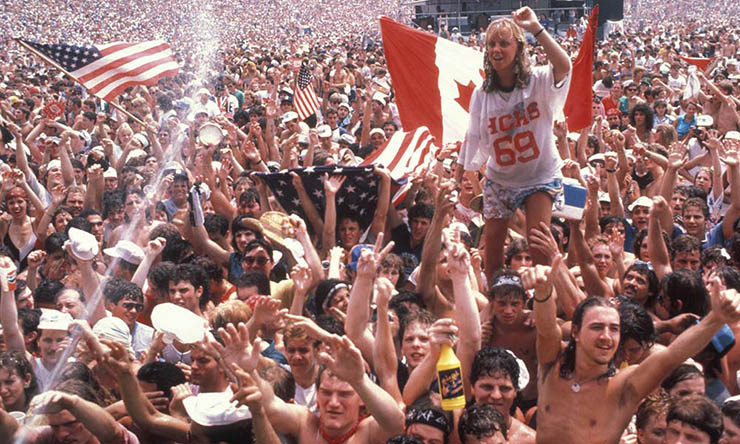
(359, 192)
(306, 102)
(107, 70)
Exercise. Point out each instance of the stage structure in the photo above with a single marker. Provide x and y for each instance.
(469, 15)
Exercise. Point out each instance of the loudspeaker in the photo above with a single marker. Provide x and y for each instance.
(610, 10)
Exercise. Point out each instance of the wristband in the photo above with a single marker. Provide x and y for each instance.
(539, 32)
(544, 299)
(611, 171)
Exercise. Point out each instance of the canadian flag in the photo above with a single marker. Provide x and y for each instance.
(433, 78)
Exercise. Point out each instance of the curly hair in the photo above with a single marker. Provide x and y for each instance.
(522, 64)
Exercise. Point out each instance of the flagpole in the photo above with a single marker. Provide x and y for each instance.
(57, 66)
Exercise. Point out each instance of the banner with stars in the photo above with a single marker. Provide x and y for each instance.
(358, 195)
(107, 70)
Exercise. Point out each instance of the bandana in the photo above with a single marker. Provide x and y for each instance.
(507, 280)
(430, 417)
(16, 192)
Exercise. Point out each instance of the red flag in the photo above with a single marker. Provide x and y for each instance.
(434, 79)
(578, 104)
(700, 62)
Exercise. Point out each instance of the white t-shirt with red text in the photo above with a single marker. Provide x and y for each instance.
(512, 131)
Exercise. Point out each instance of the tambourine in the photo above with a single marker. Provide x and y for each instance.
(210, 134)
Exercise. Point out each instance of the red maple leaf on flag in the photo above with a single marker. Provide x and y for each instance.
(465, 92)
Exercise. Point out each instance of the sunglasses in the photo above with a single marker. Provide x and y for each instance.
(260, 260)
(135, 305)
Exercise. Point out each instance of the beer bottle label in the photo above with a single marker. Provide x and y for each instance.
(450, 383)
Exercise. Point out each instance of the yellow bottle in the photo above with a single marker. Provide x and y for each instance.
(449, 378)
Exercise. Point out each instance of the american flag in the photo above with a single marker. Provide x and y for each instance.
(107, 70)
(405, 154)
(306, 102)
(359, 192)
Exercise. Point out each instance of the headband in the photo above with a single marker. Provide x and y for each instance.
(331, 293)
(430, 417)
(508, 280)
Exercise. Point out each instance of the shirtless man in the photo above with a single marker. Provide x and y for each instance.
(582, 398)
(495, 381)
(508, 327)
(341, 389)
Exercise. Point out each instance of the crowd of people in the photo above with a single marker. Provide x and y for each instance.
(153, 288)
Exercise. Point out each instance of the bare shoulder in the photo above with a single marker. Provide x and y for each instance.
(521, 433)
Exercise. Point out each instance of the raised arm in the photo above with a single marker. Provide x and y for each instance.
(310, 255)
(137, 404)
(153, 250)
(714, 146)
(312, 214)
(594, 284)
(199, 236)
(733, 212)
(9, 310)
(591, 212)
(563, 281)
(545, 311)
(384, 200)
(612, 186)
(332, 185)
(358, 309)
(90, 285)
(441, 332)
(676, 161)
(527, 19)
(430, 253)
(151, 131)
(657, 249)
(68, 173)
(347, 364)
(384, 351)
(466, 310)
(93, 417)
(247, 393)
(645, 377)
(288, 419)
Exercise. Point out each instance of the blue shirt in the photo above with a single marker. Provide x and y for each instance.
(715, 236)
(683, 126)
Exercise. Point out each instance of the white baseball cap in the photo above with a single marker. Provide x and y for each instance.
(54, 320)
(126, 250)
(83, 244)
(324, 131)
(642, 201)
(290, 115)
(380, 97)
(377, 131)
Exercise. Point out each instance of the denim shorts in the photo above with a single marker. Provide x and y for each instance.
(500, 202)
